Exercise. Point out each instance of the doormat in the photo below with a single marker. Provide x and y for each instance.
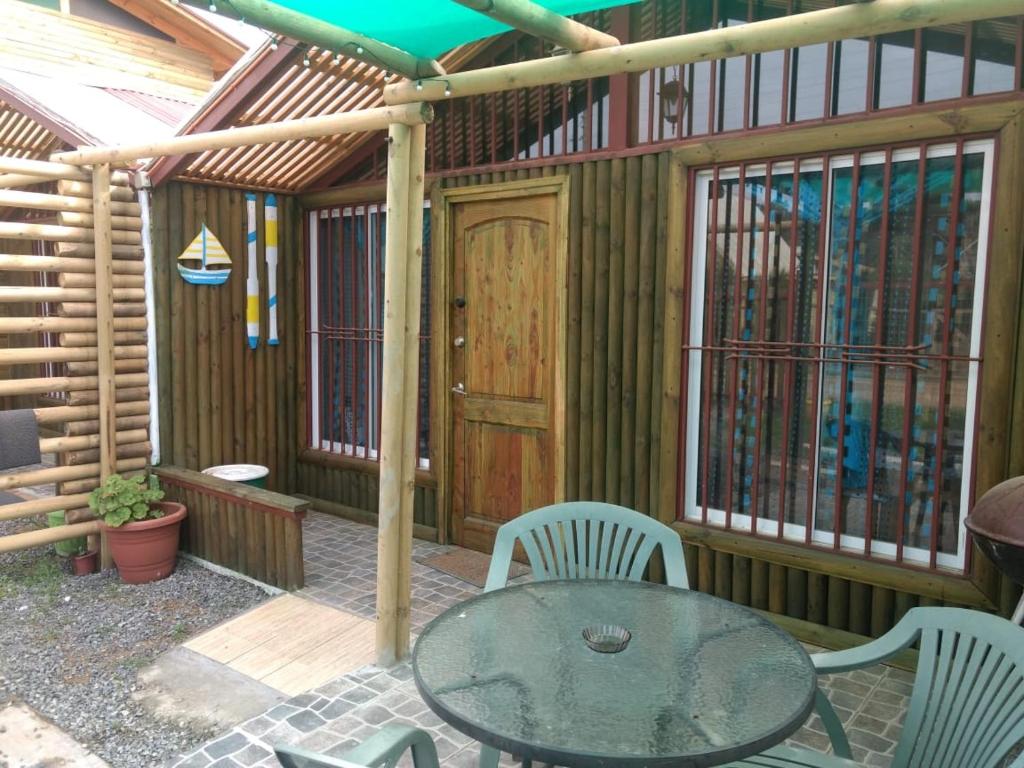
(9, 498)
(469, 565)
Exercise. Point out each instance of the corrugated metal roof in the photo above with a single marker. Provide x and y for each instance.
(93, 114)
(293, 91)
(169, 111)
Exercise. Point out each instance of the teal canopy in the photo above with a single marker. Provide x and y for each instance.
(426, 28)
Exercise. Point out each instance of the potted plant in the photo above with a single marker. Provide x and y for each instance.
(141, 530)
(83, 562)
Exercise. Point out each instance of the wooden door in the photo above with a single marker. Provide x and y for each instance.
(506, 328)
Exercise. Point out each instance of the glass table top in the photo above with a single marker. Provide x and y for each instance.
(701, 682)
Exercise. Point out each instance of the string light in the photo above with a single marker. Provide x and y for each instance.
(337, 58)
(447, 91)
(419, 85)
(213, 7)
(273, 43)
(359, 49)
(305, 59)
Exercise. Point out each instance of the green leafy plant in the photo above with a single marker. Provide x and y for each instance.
(122, 500)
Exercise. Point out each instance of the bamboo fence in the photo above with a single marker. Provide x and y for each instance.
(83, 331)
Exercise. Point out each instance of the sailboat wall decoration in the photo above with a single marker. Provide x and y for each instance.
(207, 250)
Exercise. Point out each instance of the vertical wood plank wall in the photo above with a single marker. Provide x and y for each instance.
(220, 402)
(616, 337)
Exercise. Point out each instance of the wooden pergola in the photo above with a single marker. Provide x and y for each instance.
(592, 53)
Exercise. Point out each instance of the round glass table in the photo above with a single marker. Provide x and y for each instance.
(701, 682)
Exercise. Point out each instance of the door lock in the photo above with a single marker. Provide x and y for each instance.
(459, 389)
(460, 342)
(460, 301)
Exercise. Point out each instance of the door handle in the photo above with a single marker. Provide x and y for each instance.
(459, 389)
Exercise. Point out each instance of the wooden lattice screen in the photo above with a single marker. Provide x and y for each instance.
(49, 353)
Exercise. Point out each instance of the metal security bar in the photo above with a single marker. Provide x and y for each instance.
(833, 350)
(814, 82)
(604, 116)
(346, 331)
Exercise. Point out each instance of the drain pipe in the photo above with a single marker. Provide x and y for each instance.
(143, 185)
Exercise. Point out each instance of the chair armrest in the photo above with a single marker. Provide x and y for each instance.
(899, 638)
(388, 745)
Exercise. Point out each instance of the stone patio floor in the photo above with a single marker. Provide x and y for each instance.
(340, 571)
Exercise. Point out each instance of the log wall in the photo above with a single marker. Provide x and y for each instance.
(622, 225)
(48, 315)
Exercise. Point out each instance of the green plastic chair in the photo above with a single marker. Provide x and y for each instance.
(586, 540)
(382, 750)
(967, 705)
(583, 540)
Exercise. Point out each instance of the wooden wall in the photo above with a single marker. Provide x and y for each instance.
(621, 224)
(249, 530)
(221, 402)
(617, 248)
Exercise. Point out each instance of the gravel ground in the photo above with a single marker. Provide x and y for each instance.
(71, 647)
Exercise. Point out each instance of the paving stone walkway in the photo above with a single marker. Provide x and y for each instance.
(340, 571)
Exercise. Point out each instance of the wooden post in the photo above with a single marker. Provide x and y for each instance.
(357, 121)
(410, 406)
(393, 396)
(105, 329)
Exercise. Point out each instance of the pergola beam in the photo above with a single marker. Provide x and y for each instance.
(848, 21)
(286, 130)
(534, 19)
(323, 34)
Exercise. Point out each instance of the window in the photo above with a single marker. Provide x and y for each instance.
(834, 342)
(346, 321)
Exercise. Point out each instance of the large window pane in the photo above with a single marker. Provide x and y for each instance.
(834, 363)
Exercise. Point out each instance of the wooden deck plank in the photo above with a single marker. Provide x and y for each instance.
(347, 651)
(290, 643)
(233, 638)
(311, 631)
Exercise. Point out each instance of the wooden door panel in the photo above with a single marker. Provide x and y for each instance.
(506, 471)
(506, 263)
(506, 450)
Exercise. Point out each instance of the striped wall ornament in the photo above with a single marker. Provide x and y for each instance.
(270, 226)
(252, 279)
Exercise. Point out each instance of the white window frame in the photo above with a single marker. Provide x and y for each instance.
(797, 532)
(317, 441)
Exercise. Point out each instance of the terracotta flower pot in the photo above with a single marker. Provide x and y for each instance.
(146, 550)
(83, 565)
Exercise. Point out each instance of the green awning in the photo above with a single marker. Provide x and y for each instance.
(426, 28)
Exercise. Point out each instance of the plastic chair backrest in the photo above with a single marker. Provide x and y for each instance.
(967, 706)
(587, 540)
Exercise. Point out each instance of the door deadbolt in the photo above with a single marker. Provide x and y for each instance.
(460, 301)
(460, 342)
